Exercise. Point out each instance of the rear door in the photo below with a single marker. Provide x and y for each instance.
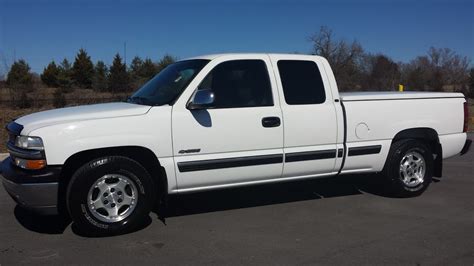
(236, 141)
(310, 132)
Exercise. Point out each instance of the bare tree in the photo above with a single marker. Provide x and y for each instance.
(4, 66)
(441, 69)
(470, 92)
(344, 57)
(382, 73)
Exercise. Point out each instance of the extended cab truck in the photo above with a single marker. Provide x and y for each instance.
(220, 121)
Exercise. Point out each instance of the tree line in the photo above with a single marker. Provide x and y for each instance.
(83, 74)
(440, 69)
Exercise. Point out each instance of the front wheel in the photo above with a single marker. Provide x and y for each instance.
(409, 168)
(110, 195)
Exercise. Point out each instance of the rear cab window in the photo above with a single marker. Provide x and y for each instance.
(302, 82)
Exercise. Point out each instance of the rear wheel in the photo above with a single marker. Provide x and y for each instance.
(409, 168)
(110, 195)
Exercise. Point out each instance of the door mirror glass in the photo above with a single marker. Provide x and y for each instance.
(203, 99)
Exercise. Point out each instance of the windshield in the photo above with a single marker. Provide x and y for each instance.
(168, 85)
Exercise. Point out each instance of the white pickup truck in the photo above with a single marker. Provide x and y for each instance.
(221, 121)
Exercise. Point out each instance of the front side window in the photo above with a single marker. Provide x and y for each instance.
(302, 82)
(168, 85)
(239, 83)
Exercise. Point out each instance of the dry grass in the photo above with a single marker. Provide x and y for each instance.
(8, 114)
(42, 99)
(44, 96)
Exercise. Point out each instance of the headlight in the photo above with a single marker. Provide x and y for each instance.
(31, 143)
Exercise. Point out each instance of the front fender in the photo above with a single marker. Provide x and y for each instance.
(151, 130)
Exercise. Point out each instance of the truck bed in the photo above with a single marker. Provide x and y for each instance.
(375, 118)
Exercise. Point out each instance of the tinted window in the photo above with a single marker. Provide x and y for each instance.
(239, 83)
(302, 82)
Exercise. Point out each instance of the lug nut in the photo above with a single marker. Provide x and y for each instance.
(119, 193)
(106, 201)
(105, 194)
(112, 205)
(112, 189)
(119, 200)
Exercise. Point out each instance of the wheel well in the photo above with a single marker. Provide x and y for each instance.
(428, 136)
(142, 155)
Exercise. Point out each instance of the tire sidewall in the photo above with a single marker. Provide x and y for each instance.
(86, 176)
(412, 146)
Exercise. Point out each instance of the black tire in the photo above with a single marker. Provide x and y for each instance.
(86, 176)
(392, 171)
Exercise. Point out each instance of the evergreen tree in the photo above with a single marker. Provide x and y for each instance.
(50, 75)
(83, 70)
(99, 82)
(165, 61)
(136, 68)
(19, 76)
(65, 75)
(135, 74)
(141, 71)
(149, 69)
(20, 81)
(118, 76)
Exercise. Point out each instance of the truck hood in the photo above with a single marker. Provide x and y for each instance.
(86, 112)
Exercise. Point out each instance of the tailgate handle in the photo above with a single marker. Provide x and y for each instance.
(271, 121)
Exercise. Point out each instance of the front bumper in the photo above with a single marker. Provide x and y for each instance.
(34, 190)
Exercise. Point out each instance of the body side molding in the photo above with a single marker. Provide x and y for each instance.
(310, 155)
(229, 162)
(365, 150)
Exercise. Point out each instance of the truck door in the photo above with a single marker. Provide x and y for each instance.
(310, 132)
(240, 138)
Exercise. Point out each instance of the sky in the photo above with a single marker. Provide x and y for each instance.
(40, 31)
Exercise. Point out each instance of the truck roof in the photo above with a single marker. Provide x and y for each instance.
(213, 56)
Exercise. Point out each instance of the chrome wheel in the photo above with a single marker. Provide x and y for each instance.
(412, 169)
(112, 198)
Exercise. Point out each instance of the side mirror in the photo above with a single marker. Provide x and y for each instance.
(203, 99)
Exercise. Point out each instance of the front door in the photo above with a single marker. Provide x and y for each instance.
(239, 139)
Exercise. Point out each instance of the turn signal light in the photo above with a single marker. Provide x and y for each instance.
(30, 164)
